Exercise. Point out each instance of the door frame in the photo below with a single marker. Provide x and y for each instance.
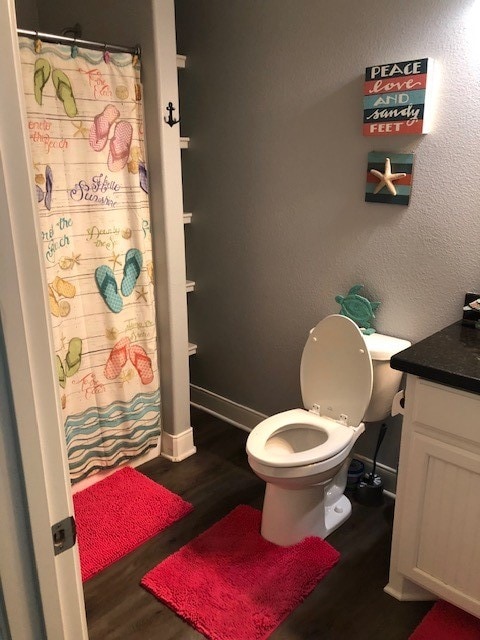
(27, 328)
(29, 354)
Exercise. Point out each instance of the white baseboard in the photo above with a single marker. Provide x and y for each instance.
(414, 594)
(246, 419)
(178, 447)
(225, 409)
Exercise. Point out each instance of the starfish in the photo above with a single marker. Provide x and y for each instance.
(80, 129)
(62, 340)
(115, 260)
(126, 376)
(111, 333)
(387, 178)
(68, 263)
(142, 293)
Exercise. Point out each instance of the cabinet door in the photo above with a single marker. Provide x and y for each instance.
(440, 530)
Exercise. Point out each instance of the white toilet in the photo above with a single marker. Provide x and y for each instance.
(303, 454)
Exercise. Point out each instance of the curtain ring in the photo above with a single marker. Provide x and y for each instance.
(74, 50)
(37, 43)
(136, 56)
(106, 54)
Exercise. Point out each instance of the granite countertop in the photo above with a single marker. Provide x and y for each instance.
(450, 356)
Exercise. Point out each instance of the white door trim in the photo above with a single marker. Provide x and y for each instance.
(159, 72)
(30, 352)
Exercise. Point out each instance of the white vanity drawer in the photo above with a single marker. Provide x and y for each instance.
(447, 409)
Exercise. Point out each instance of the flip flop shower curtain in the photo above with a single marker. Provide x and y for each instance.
(84, 112)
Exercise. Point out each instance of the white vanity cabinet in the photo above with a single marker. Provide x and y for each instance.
(436, 534)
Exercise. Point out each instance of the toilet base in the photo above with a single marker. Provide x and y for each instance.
(336, 514)
(290, 515)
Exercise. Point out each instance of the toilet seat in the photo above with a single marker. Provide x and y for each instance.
(338, 437)
(336, 378)
(336, 372)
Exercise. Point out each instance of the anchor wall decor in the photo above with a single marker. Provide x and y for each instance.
(171, 120)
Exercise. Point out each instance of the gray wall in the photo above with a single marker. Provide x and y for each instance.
(27, 14)
(275, 177)
(113, 21)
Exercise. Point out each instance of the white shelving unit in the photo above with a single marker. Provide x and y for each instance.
(187, 217)
(181, 61)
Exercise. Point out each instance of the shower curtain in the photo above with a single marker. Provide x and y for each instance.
(85, 124)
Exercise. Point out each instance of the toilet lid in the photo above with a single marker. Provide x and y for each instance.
(336, 370)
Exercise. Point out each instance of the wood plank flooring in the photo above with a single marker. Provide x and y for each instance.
(348, 603)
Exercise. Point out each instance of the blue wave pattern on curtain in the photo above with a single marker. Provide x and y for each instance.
(85, 124)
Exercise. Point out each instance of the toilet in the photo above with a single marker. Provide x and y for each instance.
(303, 454)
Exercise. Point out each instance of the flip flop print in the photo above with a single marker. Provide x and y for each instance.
(120, 146)
(117, 359)
(73, 359)
(64, 287)
(143, 176)
(131, 270)
(62, 379)
(64, 91)
(135, 158)
(46, 195)
(142, 363)
(58, 309)
(101, 127)
(48, 186)
(107, 285)
(41, 74)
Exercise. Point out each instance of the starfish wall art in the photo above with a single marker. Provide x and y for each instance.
(389, 177)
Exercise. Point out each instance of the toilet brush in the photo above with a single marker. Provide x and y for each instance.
(370, 489)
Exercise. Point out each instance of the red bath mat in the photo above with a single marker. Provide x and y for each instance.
(118, 514)
(230, 583)
(446, 622)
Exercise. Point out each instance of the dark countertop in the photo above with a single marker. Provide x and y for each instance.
(450, 356)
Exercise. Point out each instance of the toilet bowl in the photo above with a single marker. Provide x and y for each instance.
(303, 454)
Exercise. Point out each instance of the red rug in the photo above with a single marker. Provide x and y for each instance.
(446, 622)
(118, 514)
(230, 583)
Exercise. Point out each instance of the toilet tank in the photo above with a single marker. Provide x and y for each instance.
(386, 381)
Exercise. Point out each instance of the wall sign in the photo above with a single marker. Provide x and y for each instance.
(397, 98)
(389, 177)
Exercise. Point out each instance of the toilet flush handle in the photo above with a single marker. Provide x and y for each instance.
(398, 404)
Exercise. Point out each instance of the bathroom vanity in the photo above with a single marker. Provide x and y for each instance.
(436, 534)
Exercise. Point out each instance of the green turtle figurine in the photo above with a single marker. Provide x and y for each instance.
(358, 309)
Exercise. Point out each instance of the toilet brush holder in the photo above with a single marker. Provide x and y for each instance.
(370, 490)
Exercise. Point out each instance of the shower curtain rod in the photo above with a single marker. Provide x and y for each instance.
(50, 37)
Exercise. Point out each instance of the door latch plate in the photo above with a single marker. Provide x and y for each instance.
(64, 535)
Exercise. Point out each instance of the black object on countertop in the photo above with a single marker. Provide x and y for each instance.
(450, 356)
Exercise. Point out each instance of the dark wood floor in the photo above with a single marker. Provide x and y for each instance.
(348, 603)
